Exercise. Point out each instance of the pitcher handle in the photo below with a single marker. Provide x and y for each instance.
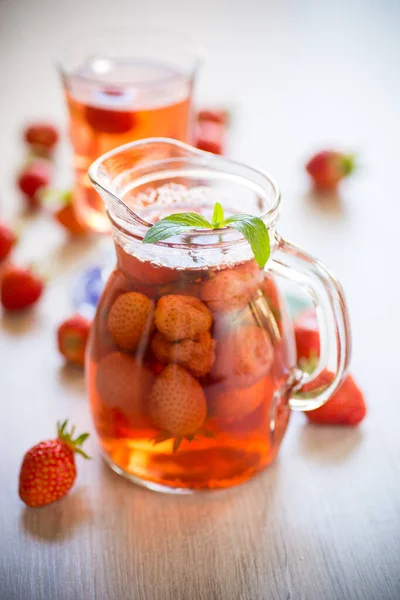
(293, 263)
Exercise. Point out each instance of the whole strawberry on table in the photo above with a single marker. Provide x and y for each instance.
(20, 288)
(33, 180)
(329, 167)
(48, 470)
(72, 337)
(41, 137)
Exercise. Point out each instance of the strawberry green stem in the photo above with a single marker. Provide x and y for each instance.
(308, 365)
(348, 164)
(67, 437)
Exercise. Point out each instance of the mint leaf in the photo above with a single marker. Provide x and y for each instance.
(252, 228)
(218, 215)
(162, 231)
(255, 232)
(190, 219)
(175, 225)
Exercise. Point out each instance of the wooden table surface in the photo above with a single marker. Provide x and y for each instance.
(323, 522)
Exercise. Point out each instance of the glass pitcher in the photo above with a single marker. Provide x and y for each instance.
(191, 362)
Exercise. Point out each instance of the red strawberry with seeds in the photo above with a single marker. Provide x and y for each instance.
(130, 319)
(178, 317)
(20, 288)
(328, 168)
(48, 470)
(345, 407)
(197, 355)
(177, 404)
(72, 337)
(7, 240)
(41, 137)
(33, 179)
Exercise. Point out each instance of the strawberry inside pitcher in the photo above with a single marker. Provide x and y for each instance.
(185, 371)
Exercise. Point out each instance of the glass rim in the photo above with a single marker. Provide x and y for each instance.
(189, 48)
(269, 216)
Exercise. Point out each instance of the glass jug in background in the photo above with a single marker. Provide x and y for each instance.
(191, 363)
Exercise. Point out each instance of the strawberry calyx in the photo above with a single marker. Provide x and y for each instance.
(57, 197)
(163, 436)
(348, 164)
(66, 197)
(73, 341)
(68, 438)
(308, 365)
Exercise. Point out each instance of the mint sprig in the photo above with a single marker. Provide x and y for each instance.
(218, 215)
(252, 228)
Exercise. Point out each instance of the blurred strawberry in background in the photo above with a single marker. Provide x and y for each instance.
(220, 116)
(20, 288)
(211, 128)
(41, 138)
(72, 337)
(8, 240)
(34, 179)
(307, 335)
(329, 167)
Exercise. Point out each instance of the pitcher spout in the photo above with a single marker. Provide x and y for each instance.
(128, 179)
(122, 173)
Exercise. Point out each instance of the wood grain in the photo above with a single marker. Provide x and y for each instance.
(322, 523)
